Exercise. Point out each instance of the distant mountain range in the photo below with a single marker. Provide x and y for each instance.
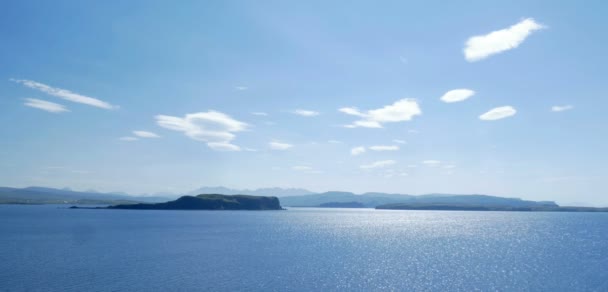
(292, 197)
(43, 195)
(276, 192)
(372, 200)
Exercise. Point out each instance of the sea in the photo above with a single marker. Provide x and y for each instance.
(53, 248)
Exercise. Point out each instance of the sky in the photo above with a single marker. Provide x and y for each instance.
(506, 98)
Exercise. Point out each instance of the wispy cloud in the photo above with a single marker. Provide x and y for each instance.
(65, 94)
(483, 46)
(305, 113)
(402, 110)
(561, 108)
(457, 95)
(384, 148)
(214, 128)
(259, 114)
(145, 134)
(241, 88)
(301, 167)
(274, 145)
(357, 150)
(45, 105)
(400, 141)
(498, 113)
(431, 162)
(128, 139)
(378, 164)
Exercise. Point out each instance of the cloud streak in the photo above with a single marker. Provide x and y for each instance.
(401, 110)
(378, 164)
(274, 145)
(305, 113)
(384, 148)
(65, 94)
(457, 95)
(357, 151)
(561, 108)
(212, 127)
(145, 134)
(498, 113)
(45, 105)
(482, 46)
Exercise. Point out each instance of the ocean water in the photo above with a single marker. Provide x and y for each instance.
(51, 248)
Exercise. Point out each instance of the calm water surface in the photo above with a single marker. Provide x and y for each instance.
(51, 248)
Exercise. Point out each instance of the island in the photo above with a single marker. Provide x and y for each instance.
(206, 202)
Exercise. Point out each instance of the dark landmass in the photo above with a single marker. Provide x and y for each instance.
(342, 205)
(210, 202)
(42, 195)
(445, 207)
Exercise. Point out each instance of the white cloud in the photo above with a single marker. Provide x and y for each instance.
(128, 139)
(45, 105)
(401, 110)
(403, 174)
(431, 162)
(223, 146)
(399, 141)
(241, 88)
(301, 167)
(413, 131)
(498, 113)
(215, 128)
(279, 146)
(145, 134)
(259, 114)
(457, 95)
(561, 108)
(483, 46)
(449, 166)
(357, 150)
(384, 148)
(65, 94)
(378, 164)
(305, 113)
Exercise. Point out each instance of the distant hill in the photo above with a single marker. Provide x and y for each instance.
(44, 195)
(372, 200)
(210, 202)
(276, 192)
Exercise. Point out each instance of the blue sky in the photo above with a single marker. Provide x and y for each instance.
(324, 96)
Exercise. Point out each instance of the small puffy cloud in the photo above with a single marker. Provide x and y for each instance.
(241, 88)
(45, 105)
(65, 94)
(483, 46)
(498, 113)
(401, 110)
(263, 114)
(384, 148)
(357, 150)
(431, 162)
(279, 146)
(128, 139)
(305, 113)
(145, 134)
(457, 95)
(399, 141)
(561, 108)
(214, 128)
(378, 164)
